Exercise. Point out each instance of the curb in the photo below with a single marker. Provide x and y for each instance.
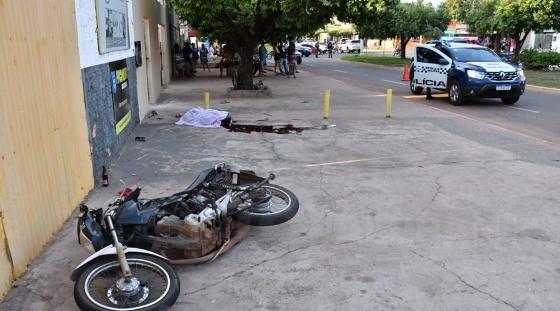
(543, 87)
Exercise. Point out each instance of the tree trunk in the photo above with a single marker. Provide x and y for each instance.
(497, 42)
(518, 45)
(244, 74)
(404, 42)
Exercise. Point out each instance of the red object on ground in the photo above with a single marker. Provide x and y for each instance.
(125, 192)
(406, 73)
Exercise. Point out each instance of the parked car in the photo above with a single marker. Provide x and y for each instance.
(311, 45)
(350, 45)
(298, 57)
(305, 51)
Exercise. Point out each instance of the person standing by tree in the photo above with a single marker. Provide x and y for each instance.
(283, 58)
(263, 53)
(293, 62)
(194, 54)
(204, 58)
(292, 48)
(187, 51)
(277, 59)
(330, 48)
(227, 54)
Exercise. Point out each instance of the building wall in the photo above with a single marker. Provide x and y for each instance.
(96, 82)
(45, 164)
(150, 81)
(533, 40)
(87, 36)
(105, 142)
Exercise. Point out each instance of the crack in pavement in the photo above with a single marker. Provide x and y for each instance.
(305, 247)
(328, 194)
(272, 147)
(438, 189)
(460, 279)
(367, 236)
(239, 273)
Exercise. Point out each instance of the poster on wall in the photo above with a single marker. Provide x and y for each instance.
(112, 25)
(120, 92)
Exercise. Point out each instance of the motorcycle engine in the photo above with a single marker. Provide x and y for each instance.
(192, 236)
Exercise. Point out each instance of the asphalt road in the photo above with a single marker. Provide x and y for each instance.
(537, 114)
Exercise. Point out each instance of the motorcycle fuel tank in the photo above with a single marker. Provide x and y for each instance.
(130, 214)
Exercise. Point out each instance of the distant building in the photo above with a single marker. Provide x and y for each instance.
(456, 29)
(548, 40)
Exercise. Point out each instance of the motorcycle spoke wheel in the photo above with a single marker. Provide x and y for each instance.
(272, 205)
(270, 201)
(106, 288)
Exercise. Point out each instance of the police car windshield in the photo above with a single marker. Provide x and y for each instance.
(475, 55)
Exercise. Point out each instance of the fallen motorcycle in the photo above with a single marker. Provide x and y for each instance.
(192, 226)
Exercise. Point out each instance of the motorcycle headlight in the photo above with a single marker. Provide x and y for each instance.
(521, 74)
(475, 74)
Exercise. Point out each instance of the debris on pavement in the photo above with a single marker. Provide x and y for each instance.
(208, 118)
(140, 138)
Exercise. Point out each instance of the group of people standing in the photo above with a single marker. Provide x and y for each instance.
(285, 59)
(191, 55)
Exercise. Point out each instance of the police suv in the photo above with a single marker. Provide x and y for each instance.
(465, 70)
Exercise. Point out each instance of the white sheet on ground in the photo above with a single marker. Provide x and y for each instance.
(199, 117)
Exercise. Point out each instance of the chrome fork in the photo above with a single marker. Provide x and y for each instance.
(125, 268)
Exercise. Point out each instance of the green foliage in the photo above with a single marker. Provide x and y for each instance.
(378, 60)
(517, 18)
(341, 33)
(455, 8)
(539, 60)
(480, 16)
(543, 78)
(246, 23)
(407, 20)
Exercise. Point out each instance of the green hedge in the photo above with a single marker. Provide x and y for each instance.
(539, 60)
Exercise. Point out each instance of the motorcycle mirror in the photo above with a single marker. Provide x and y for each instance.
(271, 176)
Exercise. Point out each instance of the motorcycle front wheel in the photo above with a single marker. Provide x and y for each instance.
(154, 285)
(272, 205)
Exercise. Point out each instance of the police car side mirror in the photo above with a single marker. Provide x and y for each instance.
(442, 61)
(505, 60)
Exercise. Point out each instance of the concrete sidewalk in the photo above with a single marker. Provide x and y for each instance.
(422, 211)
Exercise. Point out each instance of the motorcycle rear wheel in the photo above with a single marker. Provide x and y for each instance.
(282, 206)
(105, 295)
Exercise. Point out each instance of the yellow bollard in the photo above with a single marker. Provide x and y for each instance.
(388, 103)
(206, 100)
(326, 103)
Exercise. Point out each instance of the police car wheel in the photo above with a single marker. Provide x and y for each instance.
(456, 96)
(416, 90)
(510, 100)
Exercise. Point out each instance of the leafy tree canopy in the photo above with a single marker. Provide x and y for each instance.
(405, 21)
(246, 23)
(517, 18)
